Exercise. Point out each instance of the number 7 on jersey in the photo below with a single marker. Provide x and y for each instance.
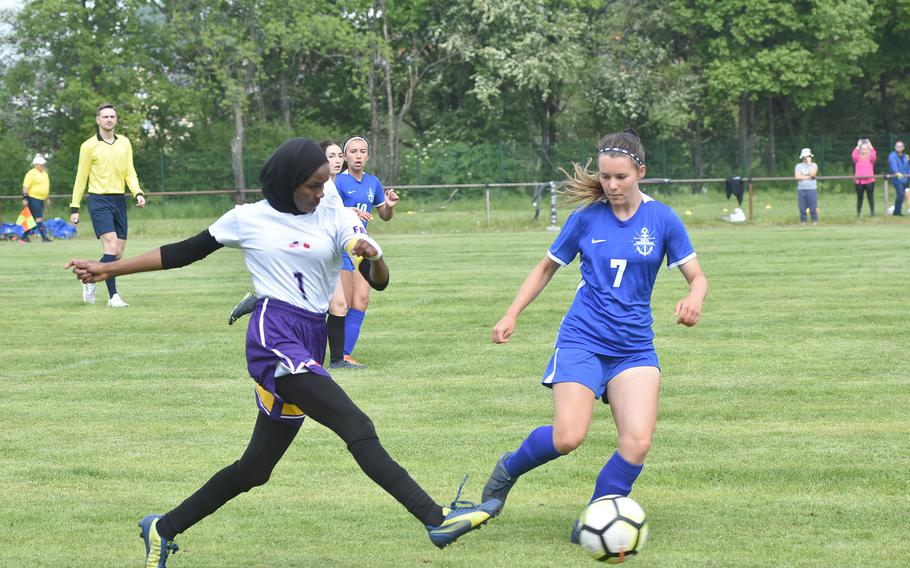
(619, 263)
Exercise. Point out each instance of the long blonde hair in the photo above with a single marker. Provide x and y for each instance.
(583, 186)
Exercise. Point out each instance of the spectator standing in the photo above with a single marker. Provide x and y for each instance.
(899, 165)
(36, 189)
(864, 173)
(806, 172)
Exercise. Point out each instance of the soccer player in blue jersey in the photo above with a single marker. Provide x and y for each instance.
(292, 248)
(604, 345)
(363, 192)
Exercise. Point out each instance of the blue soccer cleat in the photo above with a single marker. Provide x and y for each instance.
(156, 548)
(462, 517)
(246, 306)
(500, 482)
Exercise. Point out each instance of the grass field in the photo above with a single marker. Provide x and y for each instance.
(782, 438)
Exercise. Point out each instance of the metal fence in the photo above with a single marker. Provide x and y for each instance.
(453, 163)
(540, 190)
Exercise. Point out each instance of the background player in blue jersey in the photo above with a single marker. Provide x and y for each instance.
(292, 248)
(604, 345)
(362, 191)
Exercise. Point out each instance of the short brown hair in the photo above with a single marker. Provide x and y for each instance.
(103, 106)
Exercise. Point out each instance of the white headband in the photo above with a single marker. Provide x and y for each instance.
(611, 150)
(351, 139)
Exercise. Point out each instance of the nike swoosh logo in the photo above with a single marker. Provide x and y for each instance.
(595, 241)
(351, 191)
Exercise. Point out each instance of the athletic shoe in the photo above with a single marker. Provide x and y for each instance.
(576, 531)
(500, 482)
(88, 293)
(341, 364)
(352, 364)
(116, 302)
(462, 517)
(156, 548)
(25, 239)
(246, 306)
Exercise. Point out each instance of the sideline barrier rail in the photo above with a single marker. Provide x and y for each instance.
(540, 187)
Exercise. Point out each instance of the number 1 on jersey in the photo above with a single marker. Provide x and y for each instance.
(619, 263)
(299, 277)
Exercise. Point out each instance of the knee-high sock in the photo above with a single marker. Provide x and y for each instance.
(352, 324)
(324, 401)
(536, 450)
(336, 337)
(616, 477)
(42, 230)
(269, 441)
(111, 282)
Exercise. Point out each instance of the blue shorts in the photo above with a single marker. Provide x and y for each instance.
(346, 262)
(36, 206)
(592, 369)
(281, 340)
(108, 214)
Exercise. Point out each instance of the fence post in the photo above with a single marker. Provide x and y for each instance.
(161, 170)
(487, 199)
(502, 165)
(750, 199)
(553, 226)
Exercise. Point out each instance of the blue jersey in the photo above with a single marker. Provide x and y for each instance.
(363, 194)
(611, 313)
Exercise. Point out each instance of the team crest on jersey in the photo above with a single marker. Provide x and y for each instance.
(370, 195)
(644, 242)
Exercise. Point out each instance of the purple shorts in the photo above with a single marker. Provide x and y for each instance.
(282, 340)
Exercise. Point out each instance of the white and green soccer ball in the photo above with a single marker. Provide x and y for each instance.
(613, 528)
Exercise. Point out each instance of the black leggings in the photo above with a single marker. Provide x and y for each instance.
(869, 190)
(324, 401)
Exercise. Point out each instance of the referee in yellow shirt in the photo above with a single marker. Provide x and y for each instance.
(36, 188)
(106, 165)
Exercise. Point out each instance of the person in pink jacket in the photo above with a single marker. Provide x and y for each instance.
(864, 160)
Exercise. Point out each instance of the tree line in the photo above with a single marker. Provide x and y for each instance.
(213, 84)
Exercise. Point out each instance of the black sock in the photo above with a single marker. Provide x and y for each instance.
(268, 443)
(395, 480)
(336, 337)
(111, 282)
(324, 401)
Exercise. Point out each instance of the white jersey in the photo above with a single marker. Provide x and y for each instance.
(292, 258)
(331, 197)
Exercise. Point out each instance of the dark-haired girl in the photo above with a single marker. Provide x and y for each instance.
(292, 248)
(604, 345)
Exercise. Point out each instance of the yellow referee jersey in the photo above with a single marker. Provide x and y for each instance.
(37, 184)
(105, 168)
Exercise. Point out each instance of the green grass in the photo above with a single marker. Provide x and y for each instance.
(782, 438)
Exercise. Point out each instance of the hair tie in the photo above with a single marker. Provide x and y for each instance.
(612, 149)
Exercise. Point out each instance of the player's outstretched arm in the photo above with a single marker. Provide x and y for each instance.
(688, 310)
(173, 255)
(533, 285)
(89, 271)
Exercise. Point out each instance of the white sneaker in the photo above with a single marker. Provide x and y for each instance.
(116, 302)
(88, 293)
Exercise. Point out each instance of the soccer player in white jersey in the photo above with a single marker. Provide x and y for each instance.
(292, 248)
(604, 345)
(338, 306)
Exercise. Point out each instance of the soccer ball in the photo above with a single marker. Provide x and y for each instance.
(612, 528)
